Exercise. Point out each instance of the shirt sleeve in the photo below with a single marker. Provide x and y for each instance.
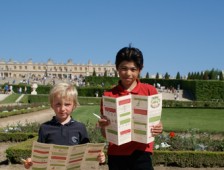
(41, 137)
(84, 136)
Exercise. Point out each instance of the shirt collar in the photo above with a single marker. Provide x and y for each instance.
(123, 91)
(55, 121)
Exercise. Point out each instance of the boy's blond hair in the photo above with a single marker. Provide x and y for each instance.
(64, 90)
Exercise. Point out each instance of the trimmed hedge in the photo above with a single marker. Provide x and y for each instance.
(201, 90)
(16, 137)
(89, 100)
(43, 99)
(22, 150)
(23, 111)
(196, 159)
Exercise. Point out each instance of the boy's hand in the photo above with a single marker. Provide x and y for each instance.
(157, 129)
(27, 163)
(103, 122)
(101, 157)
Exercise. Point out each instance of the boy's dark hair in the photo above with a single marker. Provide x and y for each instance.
(129, 54)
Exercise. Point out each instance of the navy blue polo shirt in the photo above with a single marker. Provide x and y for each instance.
(71, 133)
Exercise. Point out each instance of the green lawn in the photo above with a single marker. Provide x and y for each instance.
(174, 119)
(85, 113)
(10, 99)
(206, 120)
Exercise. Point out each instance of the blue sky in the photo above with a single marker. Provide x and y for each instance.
(174, 35)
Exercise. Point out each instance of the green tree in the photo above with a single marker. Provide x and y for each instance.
(157, 75)
(94, 73)
(205, 76)
(167, 76)
(178, 75)
(105, 73)
(189, 76)
(221, 76)
(198, 76)
(212, 74)
(147, 75)
(115, 74)
(201, 75)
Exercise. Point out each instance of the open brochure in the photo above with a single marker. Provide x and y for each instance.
(132, 117)
(59, 157)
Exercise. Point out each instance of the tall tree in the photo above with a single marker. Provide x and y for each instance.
(201, 75)
(178, 75)
(105, 73)
(115, 74)
(157, 75)
(205, 76)
(221, 76)
(94, 73)
(167, 76)
(189, 76)
(147, 75)
(213, 74)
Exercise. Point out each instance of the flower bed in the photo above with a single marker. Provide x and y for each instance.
(191, 140)
(10, 110)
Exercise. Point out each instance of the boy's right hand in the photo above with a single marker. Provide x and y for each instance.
(103, 122)
(27, 163)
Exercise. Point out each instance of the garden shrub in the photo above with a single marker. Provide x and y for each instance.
(192, 140)
(22, 150)
(19, 132)
(16, 137)
(7, 111)
(94, 133)
(196, 159)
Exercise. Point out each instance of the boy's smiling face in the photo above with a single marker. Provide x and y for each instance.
(128, 73)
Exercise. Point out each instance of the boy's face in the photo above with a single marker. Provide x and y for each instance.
(128, 73)
(63, 107)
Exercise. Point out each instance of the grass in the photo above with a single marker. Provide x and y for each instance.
(85, 114)
(174, 119)
(10, 99)
(205, 120)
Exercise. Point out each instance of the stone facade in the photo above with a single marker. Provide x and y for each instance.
(29, 69)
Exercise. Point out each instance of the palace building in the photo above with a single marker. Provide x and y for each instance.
(29, 69)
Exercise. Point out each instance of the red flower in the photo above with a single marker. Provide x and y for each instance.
(172, 134)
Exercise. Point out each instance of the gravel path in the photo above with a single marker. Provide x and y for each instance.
(40, 117)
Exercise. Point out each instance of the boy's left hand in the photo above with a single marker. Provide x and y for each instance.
(101, 157)
(157, 129)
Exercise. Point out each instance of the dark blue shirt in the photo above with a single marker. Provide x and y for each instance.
(71, 133)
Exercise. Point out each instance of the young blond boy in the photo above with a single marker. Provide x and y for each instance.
(62, 129)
